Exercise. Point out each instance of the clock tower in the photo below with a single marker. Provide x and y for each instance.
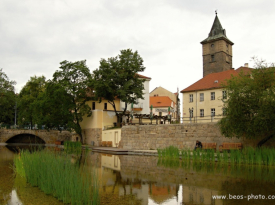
(216, 50)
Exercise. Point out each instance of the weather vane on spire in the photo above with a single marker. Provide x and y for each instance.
(216, 12)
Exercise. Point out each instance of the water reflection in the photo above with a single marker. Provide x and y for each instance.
(142, 180)
(14, 198)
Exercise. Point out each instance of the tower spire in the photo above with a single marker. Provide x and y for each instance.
(217, 49)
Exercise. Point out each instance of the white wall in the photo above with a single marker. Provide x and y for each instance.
(142, 103)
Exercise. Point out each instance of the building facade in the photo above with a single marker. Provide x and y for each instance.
(203, 100)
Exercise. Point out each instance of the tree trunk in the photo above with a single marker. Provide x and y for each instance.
(264, 140)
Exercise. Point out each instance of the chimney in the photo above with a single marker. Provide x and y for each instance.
(246, 65)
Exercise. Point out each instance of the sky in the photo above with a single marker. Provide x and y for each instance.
(35, 36)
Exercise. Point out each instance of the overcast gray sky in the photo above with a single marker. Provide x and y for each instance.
(35, 36)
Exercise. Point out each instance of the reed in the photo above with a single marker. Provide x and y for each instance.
(55, 174)
(72, 147)
(170, 152)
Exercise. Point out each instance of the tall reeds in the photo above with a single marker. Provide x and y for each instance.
(55, 174)
(72, 147)
(248, 156)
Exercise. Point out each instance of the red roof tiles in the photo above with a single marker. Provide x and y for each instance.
(160, 101)
(214, 80)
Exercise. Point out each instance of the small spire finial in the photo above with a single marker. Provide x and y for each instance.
(216, 12)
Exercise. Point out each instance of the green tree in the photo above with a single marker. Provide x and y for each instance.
(53, 107)
(28, 98)
(250, 105)
(7, 99)
(74, 80)
(117, 78)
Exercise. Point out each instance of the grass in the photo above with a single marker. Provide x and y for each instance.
(247, 156)
(73, 147)
(55, 174)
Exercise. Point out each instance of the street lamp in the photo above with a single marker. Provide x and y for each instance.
(191, 113)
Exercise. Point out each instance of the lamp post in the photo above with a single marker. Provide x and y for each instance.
(191, 113)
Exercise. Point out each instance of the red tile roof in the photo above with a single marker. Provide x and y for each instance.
(160, 101)
(142, 76)
(214, 80)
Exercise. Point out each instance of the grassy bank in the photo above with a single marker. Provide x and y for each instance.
(55, 174)
(248, 156)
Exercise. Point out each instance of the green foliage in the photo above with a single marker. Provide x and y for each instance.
(117, 78)
(169, 152)
(75, 80)
(53, 107)
(7, 99)
(250, 107)
(55, 174)
(247, 156)
(28, 100)
(72, 147)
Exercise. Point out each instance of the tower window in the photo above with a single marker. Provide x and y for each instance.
(212, 58)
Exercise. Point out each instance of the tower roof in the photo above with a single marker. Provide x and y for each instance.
(217, 32)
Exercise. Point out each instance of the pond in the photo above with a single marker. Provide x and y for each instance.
(136, 179)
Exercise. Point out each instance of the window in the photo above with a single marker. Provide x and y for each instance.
(201, 97)
(212, 45)
(212, 112)
(224, 94)
(212, 95)
(201, 112)
(191, 112)
(93, 106)
(212, 58)
(227, 58)
(105, 106)
(191, 98)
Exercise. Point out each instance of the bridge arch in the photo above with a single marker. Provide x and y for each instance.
(44, 136)
(26, 138)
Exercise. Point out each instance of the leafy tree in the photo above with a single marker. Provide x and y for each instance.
(73, 81)
(53, 107)
(7, 99)
(28, 98)
(117, 78)
(250, 106)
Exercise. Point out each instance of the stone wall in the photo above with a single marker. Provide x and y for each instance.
(92, 135)
(146, 137)
(48, 136)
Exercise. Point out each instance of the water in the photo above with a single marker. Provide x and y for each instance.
(142, 180)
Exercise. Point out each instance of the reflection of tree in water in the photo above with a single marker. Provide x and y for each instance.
(16, 148)
(26, 138)
(115, 197)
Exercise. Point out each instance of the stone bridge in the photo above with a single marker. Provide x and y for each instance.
(33, 136)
